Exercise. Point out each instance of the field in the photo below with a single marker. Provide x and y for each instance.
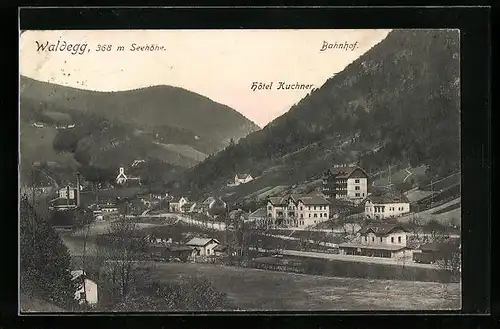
(252, 289)
(36, 145)
(399, 176)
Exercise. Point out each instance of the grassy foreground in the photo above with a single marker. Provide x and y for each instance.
(252, 289)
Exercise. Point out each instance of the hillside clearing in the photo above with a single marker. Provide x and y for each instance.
(184, 150)
(399, 176)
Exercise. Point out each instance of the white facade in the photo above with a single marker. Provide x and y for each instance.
(346, 183)
(242, 179)
(63, 193)
(275, 211)
(386, 210)
(121, 178)
(299, 212)
(88, 292)
(312, 214)
(204, 247)
(396, 238)
(357, 189)
(176, 206)
(87, 289)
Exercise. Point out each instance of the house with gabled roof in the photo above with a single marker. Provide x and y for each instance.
(379, 240)
(204, 246)
(346, 182)
(386, 206)
(176, 203)
(242, 179)
(122, 178)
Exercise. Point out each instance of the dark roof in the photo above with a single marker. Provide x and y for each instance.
(343, 172)
(180, 248)
(438, 247)
(381, 228)
(209, 200)
(276, 200)
(399, 198)
(187, 205)
(314, 200)
(372, 246)
(62, 202)
(242, 176)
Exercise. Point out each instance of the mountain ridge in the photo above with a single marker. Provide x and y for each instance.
(118, 127)
(159, 86)
(397, 103)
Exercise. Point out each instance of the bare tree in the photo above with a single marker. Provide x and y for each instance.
(125, 247)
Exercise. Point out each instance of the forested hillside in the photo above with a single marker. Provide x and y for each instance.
(109, 129)
(399, 102)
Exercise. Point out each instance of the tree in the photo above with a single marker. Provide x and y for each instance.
(126, 245)
(45, 262)
(97, 176)
(451, 260)
(65, 141)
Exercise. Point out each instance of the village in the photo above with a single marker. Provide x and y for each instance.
(341, 221)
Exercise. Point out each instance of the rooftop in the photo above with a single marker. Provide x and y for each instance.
(201, 242)
(261, 212)
(388, 198)
(314, 200)
(343, 172)
(307, 199)
(438, 247)
(381, 228)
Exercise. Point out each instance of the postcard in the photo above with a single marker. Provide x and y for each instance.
(239, 170)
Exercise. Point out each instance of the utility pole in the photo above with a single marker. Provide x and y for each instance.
(390, 176)
(77, 196)
(432, 194)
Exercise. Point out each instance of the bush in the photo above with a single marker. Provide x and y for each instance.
(188, 295)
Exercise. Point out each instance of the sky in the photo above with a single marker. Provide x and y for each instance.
(219, 64)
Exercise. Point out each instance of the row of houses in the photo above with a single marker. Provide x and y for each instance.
(207, 206)
(391, 241)
(302, 211)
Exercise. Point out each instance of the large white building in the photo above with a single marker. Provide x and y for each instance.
(381, 207)
(346, 183)
(298, 210)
